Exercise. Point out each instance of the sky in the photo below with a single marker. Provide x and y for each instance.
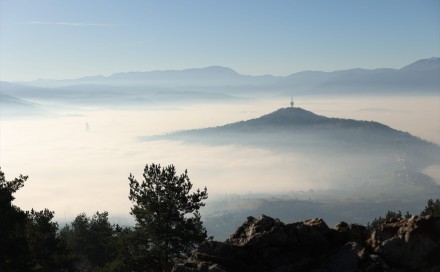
(55, 39)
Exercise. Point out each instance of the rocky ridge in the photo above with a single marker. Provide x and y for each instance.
(267, 244)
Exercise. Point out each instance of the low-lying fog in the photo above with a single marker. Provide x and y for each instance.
(79, 160)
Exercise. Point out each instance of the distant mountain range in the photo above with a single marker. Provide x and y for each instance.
(422, 75)
(219, 84)
(13, 106)
(207, 76)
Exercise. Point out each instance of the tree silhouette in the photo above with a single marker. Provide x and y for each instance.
(92, 241)
(28, 240)
(42, 239)
(389, 217)
(14, 253)
(432, 208)
(167, 214)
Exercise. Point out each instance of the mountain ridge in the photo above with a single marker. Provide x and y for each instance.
(422, 74)
(296, 118)
(298, 130)
(361, 158)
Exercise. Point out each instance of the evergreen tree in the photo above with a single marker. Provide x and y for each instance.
(389, 217)
(432, 208)
(43, 241)
(14, 253)
(92, 242)
(167, 216)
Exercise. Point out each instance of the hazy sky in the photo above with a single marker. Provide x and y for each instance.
(74, 38)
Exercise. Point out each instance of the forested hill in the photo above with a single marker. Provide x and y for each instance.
(298, 128)
(291, 118)
(361, 152)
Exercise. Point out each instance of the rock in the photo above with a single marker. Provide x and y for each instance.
(259, 232)
(203, 267)
(267, 244)
(317, 223)
(346, 258)
(352, 232)
(353, 257)
(412, 243)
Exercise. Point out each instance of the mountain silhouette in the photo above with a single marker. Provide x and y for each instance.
(296, 122)
(299, 130)
(419, 76)
(424, 64)
(13, 106)
(286, 118)
(422, 75)
(359, 154)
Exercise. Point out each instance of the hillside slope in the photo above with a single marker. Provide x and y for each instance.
(361, 158)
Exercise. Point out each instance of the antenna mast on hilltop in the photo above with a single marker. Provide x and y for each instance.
(291, 102)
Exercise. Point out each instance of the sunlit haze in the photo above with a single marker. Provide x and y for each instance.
(74, 170)
(84, 85)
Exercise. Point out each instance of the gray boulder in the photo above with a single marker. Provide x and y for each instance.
(267, 244)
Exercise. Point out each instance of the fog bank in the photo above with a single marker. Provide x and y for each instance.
(79, 160)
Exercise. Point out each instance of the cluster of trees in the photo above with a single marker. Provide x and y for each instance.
(432, 208)
(168, 227)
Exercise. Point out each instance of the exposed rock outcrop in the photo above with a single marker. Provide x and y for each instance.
(412, 244)
(267, 244)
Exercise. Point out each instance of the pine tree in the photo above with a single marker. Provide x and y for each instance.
(167, 215)
(432, 208)
(14, 252)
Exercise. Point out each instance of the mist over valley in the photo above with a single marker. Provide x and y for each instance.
(199, 136)
(341, 153)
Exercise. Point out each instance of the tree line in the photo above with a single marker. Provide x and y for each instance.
(432, 208)
(168, 227)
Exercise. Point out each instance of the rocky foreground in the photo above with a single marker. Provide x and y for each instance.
(266, 244)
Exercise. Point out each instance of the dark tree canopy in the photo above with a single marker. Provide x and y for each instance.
(13, 246)
(41, 235)
(432, 208)
(28, 239)
(92, 242)
(167, 213)
(168, 227)
(7, 188)
(389, 217)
